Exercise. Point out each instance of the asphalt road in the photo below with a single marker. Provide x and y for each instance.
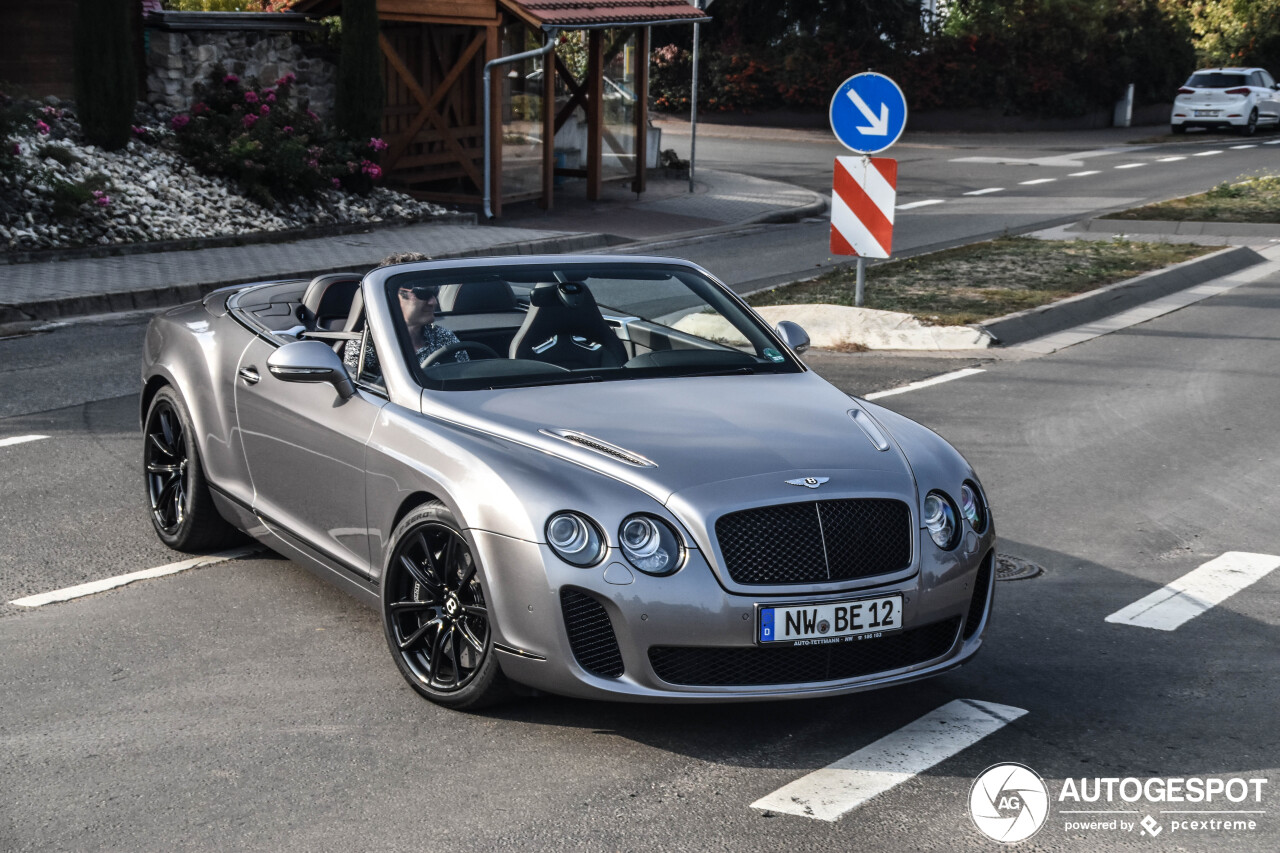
(1078, 175)
(248, 706)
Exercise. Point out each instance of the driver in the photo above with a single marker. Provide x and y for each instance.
(419, 304)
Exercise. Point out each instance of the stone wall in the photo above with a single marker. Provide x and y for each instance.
(176, 60)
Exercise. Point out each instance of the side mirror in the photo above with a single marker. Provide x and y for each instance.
(793, 336)
(311, 361)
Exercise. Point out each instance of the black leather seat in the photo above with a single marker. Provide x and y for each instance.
(564, 327)
(327, 301)
(477, 297)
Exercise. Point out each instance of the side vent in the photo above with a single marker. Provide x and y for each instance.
(590, 442)
(590, 633)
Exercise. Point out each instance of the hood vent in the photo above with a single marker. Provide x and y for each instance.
(590, 442)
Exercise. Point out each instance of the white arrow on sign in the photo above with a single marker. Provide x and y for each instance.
(879, 126)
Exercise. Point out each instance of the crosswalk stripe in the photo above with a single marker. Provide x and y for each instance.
(830, 793)
(81, 590)
(1131, 166)
(20, 439)
(1242, 147)
(1038, 181)
(1205, 153)
(1171, 159)
(1084, 174)
(1176, 603)
(987, 190)
(924, 203)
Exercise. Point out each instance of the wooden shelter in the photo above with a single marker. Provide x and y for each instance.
(579, 112)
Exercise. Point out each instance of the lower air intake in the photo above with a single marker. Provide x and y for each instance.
(590, 633)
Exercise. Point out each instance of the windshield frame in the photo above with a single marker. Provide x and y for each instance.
(771, 356)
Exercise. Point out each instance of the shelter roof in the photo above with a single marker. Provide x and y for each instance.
(567, 14)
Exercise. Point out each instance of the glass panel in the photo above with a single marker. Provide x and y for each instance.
(521, 114)
(571, 138)
(551, 323)
(619, 103)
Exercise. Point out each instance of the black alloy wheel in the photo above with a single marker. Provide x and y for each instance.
(182, 510)
(435, 614)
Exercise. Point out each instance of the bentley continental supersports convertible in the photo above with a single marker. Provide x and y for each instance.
(595, 476)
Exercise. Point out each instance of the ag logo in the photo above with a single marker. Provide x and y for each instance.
(1009, 802)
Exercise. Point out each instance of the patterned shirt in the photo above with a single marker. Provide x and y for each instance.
(434, 337)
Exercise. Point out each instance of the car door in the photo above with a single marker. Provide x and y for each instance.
(1269, 105)
(304, 447)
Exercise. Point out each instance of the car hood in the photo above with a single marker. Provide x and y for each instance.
(699, 433)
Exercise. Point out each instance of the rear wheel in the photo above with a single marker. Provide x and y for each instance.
(182, 510)
(1250, 127)
(435, 614)
(1178, 128)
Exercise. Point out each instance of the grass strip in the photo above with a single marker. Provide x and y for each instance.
(982, 281)
(1254, 199)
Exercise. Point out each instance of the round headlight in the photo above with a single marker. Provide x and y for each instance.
(575, 539)
(650, 544)
(971, 507)
(940, 518)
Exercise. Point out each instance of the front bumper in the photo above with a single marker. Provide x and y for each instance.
(687, 628)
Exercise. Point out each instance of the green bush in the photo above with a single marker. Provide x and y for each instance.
(106, 79)
(274, 150)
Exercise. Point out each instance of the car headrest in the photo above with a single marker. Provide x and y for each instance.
(327, 300)
(570, 294)
(479, 297)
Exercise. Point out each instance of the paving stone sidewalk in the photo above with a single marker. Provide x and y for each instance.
(46, 290)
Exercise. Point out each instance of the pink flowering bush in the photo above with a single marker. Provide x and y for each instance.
(278, 152)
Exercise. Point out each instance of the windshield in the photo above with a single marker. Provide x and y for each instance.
(1216, 80)
(544, 324)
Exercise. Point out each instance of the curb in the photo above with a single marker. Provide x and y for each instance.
(151, 299)
(113, 250)
(1178, 228)
(1033, 323)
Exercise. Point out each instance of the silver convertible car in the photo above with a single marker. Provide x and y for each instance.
(602, 477)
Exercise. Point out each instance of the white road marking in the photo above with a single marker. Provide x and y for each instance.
(1241, 147)
(1131, 166)
(1195, 592)
(20, 439)
(924, 203)
(925, 383)
(1171, 159)
(828, 794)
(1205, 153)
(1272, 142)
(1038, 181)
(105, 584)
(987, 190)
(1084, 174)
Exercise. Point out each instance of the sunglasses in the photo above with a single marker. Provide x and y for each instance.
(422, 292)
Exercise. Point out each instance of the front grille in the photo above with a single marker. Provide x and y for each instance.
(978, 605)
(816, 541)
(591, 634)
(755, 665)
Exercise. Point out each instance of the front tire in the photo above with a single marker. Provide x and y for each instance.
(435, 614)
(182, 509)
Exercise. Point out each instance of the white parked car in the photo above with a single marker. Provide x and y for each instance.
(1243, 98)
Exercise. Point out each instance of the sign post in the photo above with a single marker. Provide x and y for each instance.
(868, 113)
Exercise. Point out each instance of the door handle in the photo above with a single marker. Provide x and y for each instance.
(250, 375)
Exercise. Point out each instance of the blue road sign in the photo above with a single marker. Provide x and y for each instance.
(868, 113)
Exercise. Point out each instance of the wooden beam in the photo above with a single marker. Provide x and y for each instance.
(548, 130)
(641, 77)
(595, 113)
(428, 104)
(492, 51)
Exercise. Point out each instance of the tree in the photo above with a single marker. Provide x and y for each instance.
(360, 93)
(106, 81)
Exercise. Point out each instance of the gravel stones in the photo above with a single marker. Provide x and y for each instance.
(155, 195)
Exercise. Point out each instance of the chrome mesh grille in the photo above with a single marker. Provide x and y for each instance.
(756, 665)
(590, 634)
(816, 541)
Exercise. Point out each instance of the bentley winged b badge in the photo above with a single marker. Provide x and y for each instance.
(808, 482)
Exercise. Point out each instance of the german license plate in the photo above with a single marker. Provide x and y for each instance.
(829, 622)
(1206, 113)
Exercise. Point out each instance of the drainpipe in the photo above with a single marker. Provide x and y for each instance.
(488, 101)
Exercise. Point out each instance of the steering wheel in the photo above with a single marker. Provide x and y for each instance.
(444, 352)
